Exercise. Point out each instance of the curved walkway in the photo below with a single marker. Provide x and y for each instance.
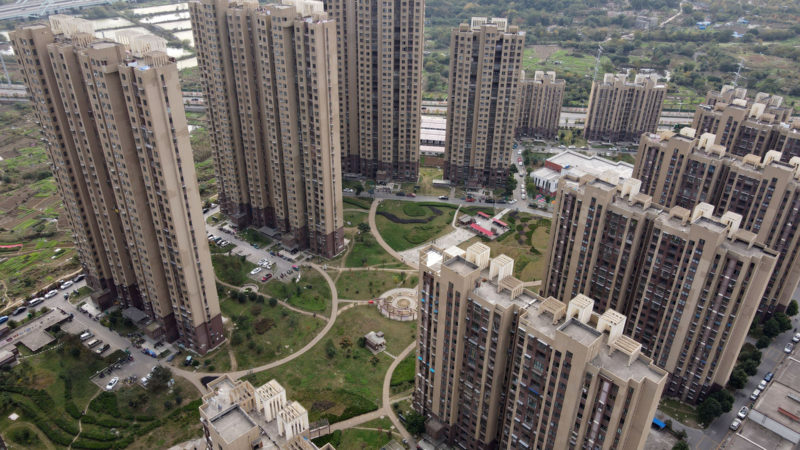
(194, 377)
(374, 229)
(280, 302)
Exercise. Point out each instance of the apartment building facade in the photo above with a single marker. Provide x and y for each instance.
(689, 283)
(285, 93)
(119, 145)
(540, 108)
(499, 366)
(380, 85)
(620, 110)
(483, 102)
(684, 170)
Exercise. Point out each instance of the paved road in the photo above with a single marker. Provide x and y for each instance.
(522, 207)
(377, 235)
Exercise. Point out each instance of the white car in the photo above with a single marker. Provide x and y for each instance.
(762, 385)
(112, 383)
(735, 424)
(51, 294)
(796, 338)
(35, 301)
(789, 347)
(66, 285)
(754, 395)
(742, 412)
(255, 271)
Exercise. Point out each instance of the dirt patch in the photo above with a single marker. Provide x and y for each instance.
(544, 51)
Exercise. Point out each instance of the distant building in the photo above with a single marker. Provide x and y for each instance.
(499, 366)
(432, 135)
(546, 178)
(237, 416)
(620, 110)
(746, 126)
(540, 108)
(689, 283)
(483, 101)
(683, 170)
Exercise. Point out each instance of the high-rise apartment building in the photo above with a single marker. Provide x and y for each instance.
(112, 115)
(483, 101)
(499, 366)
(688, 283)
(681, 170)
(274, 68)
(620, 110)
(380, 85)
(540, 108)
(746, 126)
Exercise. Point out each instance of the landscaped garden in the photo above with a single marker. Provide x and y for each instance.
(405, 225)
(337, 378)
(403, 375)
(364, 285)
(311, 293)
(263, 331)
(526, 243)
(50, 390)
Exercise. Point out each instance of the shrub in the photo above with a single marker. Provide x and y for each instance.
(263, 325)
(763, 342)
(273, 301)
(791, 310)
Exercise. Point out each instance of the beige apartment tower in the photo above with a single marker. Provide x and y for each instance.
(620, 110)
(483, 102)
(684, 170)
(688, 282)
(380, 85)
(499, 366)
(540, 108)
(113, 118)
(283, 89)
(748, 126)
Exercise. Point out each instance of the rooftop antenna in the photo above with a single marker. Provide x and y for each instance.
(738, 74)
(597, 61)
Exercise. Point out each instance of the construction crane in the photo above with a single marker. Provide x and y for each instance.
(738, 74)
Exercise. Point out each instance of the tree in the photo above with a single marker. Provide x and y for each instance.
(725, 399)
(159, 378)
(363, 227)
(273, 301)
(784, 322)
(763, 342)
(709, 410)
(749, 366)
(791, 310)
(772, 328)
(415, 423)
(680, 445)
(330, 349)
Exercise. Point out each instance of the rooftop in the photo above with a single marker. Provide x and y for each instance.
(460, 265)
(232, 424)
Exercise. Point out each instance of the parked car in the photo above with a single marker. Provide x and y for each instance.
(94, 343)
(66, 285)
(788, 348)
(768, 377)
(754, 395)
(400, 194)
(266, 278)
(35, 301)
(19, 310)
(113, 382)
(102, 349)
(796, 338)
(742, 412)
(762, 385)
(79, 278)
(51, 294)
(3, 319)
(256, 270)
(444, 197)
(86, 335)
(470, 199)
(735, 424)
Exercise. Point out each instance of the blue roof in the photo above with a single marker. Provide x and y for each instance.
(661, 425)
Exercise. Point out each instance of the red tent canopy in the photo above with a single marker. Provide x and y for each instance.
(484, 215)
(481, 230)
(500, 222)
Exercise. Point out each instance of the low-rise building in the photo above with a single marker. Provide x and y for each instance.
(237, 416)
(376, 342)
(546, 178)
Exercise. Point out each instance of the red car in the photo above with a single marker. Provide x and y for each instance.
(266, 278)
(470, 199)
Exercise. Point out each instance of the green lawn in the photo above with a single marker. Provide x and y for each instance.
(402, 236)
(425, 182)
(367, 252)
(349, 382)
(563, 60)
(403, 376)
(232, 269)
(355, 439)
(312, 293)
(354, 202)
(681, 412)
(364, 285)
(354, 218)
(264, 333)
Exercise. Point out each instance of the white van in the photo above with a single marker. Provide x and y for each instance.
(86, 335)
(93, 343)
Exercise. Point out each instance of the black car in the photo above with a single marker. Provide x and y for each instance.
(78, 278)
